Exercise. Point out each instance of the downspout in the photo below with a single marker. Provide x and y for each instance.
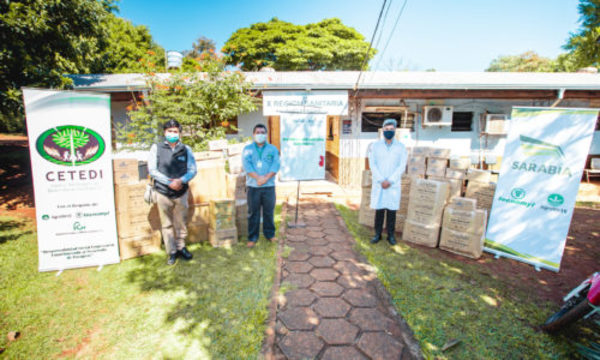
(561, 95)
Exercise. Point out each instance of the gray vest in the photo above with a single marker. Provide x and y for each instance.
(173, 164)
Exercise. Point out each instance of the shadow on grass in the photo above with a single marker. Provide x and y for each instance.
(218, 299)
(15, 177)
(11, 230)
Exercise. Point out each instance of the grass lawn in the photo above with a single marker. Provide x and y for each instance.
(442, 300)
(214, 306)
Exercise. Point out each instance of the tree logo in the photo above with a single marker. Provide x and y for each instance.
(535, 147)
(518, 193)
(556, 199)
(70, 145)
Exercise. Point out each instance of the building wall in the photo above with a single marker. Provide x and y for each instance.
(246, 122)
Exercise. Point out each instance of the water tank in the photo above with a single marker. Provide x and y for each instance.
(174, 59)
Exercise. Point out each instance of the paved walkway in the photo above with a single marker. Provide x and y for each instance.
(337, 309)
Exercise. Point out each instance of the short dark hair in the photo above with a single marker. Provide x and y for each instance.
(171, 124)
(258, 126)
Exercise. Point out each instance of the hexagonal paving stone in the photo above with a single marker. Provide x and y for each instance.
(300, 297)
(295, 238)
(360, 298)
(342, 352)
(298, 267)
(299, 280)
(299, 318)
(297, 231)
(331, 307)
(334, 232)
(321, 261)
(317, 242)
(327, 288)
(296, 255)
(330, 224)
(315, 234)
(343, 255)
(301, 345)
(319, 250)
(369, 319)
(347, 267)
(337, 331)
(324, 274)
(379, 345)
(338, 239)
(353, 281)
(314, 228)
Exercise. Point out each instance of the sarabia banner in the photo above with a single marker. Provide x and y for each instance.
(302, 146)
(543, 162)
(70, 148)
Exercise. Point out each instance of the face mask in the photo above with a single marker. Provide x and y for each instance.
(172, 138)
(260, 138)
(389, 134)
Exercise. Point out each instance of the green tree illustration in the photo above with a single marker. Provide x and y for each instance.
(70, 138)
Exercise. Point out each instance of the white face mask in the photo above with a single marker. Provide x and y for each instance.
(260, 138)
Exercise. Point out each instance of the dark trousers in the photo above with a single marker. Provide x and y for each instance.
(261, 198)
(391, 221)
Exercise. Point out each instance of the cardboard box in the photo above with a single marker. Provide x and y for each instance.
(418, 161)
(457, 174)
(400, 220)
(126, 171)
(207, 155)
(366, 216)
(209, 183)
(215, 145)
(435, 171)
(130, 197)
(223, 237)
(460, 163)
(235, 149)
(242, 227)
(428, 190)
(433, 162)
(426, 235)
(461, 243)
(138, 223)
(198, 214)
(236, 186)
(235, 164)
(482, 192)
(367, 178)
(439, 153)
(420, 151)
(463, 203)
(472, 221)
(134, 246)
(197, 233)
(415, 170)
(479, 175)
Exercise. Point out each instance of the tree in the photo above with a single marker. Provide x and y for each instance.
(201, 46)
(202, 102)
(528, 61)
(584, 45)
(326, 45)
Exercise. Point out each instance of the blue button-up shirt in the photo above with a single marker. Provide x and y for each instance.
(164, 179)
(260, 161)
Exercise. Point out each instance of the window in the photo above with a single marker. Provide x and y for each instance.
(372, 121)
(462, 121)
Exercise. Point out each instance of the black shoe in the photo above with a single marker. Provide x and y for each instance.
(392, 239)
(172, 258)
(376, 239)
(185, 254)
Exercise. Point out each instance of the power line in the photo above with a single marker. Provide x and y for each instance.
(370, 45)
(392, 32)
(383, 22)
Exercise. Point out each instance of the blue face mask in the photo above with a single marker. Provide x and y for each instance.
(172, 138)
(389, 134)
(260, 138)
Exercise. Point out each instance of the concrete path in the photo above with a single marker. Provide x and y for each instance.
(337, 309)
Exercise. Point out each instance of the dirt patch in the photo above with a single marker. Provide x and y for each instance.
(16, 187)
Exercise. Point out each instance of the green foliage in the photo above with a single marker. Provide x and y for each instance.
(202, 102)
(583, 45)
(69, 137)
(528, 61)
(201, 46)
(326, 45)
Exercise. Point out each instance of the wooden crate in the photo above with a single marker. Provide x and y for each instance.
(125, 171)
(134, 246)
(209, 183)
(223, 238)
(197, 232)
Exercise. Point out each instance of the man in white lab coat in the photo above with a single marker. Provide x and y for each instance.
(387, 160)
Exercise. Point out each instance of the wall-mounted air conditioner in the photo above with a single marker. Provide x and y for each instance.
(496, 124)
(437, 115)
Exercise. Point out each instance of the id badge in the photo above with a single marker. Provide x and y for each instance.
(259, 164)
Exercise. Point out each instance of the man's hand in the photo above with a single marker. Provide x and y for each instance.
(385, 184)
(176, 184)
(261, 180)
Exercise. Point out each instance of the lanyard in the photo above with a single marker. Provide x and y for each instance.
(260, 150)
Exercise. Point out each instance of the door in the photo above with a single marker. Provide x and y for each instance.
(332, 146)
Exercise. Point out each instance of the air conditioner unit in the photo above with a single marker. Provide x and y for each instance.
(496, 124)
(437, 115)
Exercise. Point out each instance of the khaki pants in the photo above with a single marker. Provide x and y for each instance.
(173, 219)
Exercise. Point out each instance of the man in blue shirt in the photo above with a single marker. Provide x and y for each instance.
(261, 164)
(172, 165)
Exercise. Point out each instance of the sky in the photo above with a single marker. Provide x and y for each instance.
(445, 35)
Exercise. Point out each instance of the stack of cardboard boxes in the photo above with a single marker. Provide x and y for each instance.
(463, 228)
(138, 225)
(480, 188)
(366, 215)
(426, 204)
(222, 230)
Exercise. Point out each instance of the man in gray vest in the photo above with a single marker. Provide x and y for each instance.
(172, 165)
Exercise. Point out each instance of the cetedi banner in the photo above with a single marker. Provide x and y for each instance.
(70, 149)
(303, 146)
(542, 166)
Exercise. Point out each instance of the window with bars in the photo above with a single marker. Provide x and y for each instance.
(462, 121)
(372, 121)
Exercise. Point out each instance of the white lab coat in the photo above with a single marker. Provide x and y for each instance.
(387, 163)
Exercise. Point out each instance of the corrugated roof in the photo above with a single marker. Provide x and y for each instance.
(301, 80)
